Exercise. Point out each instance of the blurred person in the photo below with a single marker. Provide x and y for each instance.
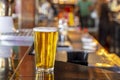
(76, 21)
(95, 17)
(85, 7)
(43, 10)
(47, 12)
(54, 7)
(51, 14)
(104, 14)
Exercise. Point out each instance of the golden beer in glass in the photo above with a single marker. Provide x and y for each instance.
(45, 44)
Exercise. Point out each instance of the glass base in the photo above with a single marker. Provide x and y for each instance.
(49, 70)
(44, 75)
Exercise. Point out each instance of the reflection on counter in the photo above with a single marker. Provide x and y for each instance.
(112, 57)
(8, 58)
(4, 69)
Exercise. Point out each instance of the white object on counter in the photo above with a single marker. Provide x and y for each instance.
(6, 24)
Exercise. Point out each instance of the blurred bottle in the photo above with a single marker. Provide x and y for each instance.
(63, 29)
(71, 19)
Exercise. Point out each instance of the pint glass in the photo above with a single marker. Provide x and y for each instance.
(45, 44)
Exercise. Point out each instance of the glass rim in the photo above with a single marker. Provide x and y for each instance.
(45, 29)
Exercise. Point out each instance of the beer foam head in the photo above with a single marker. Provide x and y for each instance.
(45, 29)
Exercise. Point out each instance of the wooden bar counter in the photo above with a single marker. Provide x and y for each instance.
(20, 65)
